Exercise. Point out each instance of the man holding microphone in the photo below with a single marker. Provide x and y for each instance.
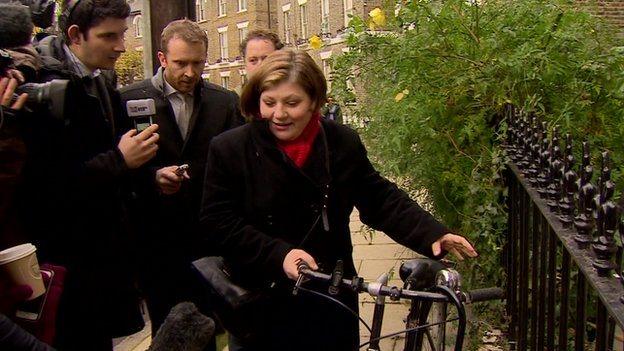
(74, 179)
(190, 112)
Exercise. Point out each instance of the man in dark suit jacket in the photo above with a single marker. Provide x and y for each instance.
(189, 112)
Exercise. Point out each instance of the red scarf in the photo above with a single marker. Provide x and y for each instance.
(298, 150)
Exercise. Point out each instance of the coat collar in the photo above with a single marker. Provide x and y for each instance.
(317, 169)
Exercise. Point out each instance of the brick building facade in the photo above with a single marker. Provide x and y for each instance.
(134, 35)
(226, 22)
(612, 10)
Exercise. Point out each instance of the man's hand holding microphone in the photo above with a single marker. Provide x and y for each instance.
(138, 148)
(139, 145)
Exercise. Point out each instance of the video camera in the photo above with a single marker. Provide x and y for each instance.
(16, 28)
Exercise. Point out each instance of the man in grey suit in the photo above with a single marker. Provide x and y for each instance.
(189, 112)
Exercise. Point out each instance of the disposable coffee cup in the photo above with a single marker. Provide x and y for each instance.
(21, 267)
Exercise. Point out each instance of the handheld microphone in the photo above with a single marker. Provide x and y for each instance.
(184, 329)
(141, 111)
(16, 26)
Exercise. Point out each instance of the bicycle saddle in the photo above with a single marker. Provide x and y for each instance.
(420, 273)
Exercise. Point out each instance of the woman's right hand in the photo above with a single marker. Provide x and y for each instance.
(292, 261)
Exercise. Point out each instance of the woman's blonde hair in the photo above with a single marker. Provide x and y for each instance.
(284, 66)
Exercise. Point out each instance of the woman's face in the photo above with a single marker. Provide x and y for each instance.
(288, 108)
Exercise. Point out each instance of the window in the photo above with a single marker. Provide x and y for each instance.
(348, 10)
(303, 16)
(137, 23)
(199, 10)
(242, 34)
(242, 5)
(326, 69)
(242, 30)
(223, 44)
(324, 16)
(327, 73)
(222, 7)
(243, 76)
(225, 82)
(287, 29)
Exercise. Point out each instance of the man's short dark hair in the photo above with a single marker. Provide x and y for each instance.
(261, 34)
(87, 14)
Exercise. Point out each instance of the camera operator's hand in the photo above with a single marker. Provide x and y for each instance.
(292, 260)
(16, 74)
(168, 181)
(7, 89)
(139, 148)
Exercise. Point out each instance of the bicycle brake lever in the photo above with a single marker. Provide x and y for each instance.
(336, 278)
(301, 265)
(298, 284)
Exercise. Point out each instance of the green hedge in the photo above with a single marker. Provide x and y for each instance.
(433, 83)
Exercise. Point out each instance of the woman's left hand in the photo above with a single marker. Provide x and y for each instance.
(455, 244)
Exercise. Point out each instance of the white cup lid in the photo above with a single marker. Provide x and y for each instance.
(16, 252)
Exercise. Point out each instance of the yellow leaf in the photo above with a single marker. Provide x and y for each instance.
(378, 18)
(406, 91)
(315, 42)
(399, 97)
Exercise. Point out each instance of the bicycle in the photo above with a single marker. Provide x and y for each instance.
(425, 281)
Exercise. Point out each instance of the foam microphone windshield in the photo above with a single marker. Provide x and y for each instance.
(184, 329)
(16, 27)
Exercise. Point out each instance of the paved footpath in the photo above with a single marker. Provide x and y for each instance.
(374, 253)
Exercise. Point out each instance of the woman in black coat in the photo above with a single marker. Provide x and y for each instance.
(280, 190)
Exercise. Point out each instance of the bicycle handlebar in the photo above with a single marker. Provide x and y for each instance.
(442, 294)
(484, 294)
(358, 285)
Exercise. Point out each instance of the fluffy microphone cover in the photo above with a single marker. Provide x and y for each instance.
(16, 27)
(184, 329)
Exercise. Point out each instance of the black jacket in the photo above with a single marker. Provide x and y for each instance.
(72, 197)
(175, 217)
(13, 337)
(258, 206)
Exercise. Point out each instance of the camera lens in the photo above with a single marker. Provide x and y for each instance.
(50, 94)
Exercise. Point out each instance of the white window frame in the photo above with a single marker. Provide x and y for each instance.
(303, 20)
(287, 24)
(225, 82)
(223, 43)
(199, 10)
(348, 10)
(243, 76)
(242, 31)
(242, 5)
(137, 22)
(222, 8)
(325, 16)
(225, 79)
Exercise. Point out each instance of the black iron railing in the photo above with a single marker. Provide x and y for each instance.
(563, 262)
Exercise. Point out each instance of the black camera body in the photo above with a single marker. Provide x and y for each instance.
(51, 95)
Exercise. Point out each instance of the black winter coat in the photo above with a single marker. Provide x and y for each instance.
(175, 217)
(72, 201)
(258, 206)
